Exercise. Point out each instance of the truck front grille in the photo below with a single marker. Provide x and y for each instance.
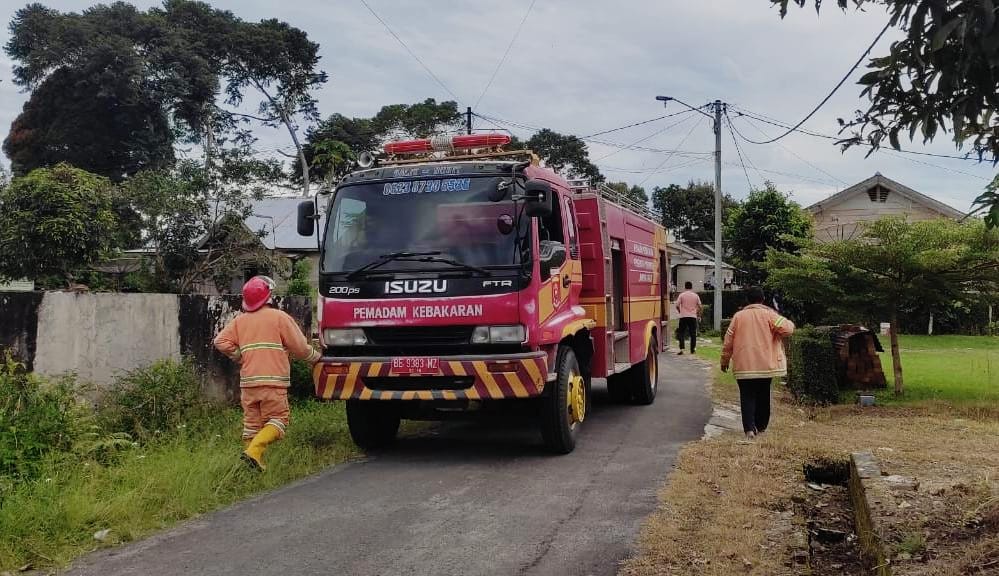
(394, 336)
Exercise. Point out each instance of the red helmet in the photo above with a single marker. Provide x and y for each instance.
(257, 292)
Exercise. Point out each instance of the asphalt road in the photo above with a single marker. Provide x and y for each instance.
(461, 499)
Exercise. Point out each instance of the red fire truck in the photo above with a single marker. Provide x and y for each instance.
(456, 276)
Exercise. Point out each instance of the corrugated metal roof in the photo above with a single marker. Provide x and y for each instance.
(278, 219)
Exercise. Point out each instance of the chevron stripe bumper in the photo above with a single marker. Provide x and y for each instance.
(459, 378)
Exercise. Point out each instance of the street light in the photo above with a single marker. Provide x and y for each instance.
(719, 279)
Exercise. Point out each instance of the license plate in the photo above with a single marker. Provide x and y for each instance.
(415, 365)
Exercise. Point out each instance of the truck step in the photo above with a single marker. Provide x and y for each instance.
(618, 336)
(621, 367)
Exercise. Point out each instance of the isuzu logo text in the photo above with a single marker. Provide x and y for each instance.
(416, 287)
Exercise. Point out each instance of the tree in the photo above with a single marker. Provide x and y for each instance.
(280, 62)
(192, 218)
(565, 153)
(689, 212)
(634, 192)
(893, 263)
(110, 86)
(54, 223)
(332, 147)
(767, 219)
(941, 76)
(114, 87)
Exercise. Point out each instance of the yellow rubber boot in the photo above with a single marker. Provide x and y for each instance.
(254, 453)
(246, 443)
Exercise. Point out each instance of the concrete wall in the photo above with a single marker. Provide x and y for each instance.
(98, 336)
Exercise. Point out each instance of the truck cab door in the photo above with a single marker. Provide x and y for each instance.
(572, 272)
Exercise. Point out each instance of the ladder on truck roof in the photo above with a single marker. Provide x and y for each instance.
(583, 186)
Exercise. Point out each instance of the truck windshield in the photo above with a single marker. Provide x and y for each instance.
(451, 218)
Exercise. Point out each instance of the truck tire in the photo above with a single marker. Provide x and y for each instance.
(644, 376)
(373, 424)
(563, 407)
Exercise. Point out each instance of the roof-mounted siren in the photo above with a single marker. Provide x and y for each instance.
(365, 159)
(447, 144)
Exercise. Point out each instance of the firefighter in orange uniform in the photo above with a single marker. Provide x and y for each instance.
(260, 340)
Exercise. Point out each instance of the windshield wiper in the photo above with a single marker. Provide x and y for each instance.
(386, 258)
(425, 257)
(455, 263)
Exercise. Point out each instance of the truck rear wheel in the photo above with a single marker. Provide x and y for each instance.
(644, 376)
(372, 423)
(563, 407)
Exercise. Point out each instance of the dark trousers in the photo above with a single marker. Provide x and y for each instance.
(687, 327)
(754, 398)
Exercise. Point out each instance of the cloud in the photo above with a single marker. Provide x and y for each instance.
(581, 66)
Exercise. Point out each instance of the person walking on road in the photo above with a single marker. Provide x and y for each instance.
(260, 340)
(754, 349)
(688, 305)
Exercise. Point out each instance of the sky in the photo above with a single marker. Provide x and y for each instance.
(584, 66)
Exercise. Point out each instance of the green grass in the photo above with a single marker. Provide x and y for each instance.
(948, 368)
(51, 520)
(958, 369)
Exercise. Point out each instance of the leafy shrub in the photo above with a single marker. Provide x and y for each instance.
(301, 381)
(298, 284)
(154, 399)
(37, 416)
(812, 367)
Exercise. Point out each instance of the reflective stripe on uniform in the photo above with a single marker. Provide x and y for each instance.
(250, 379)
(261, 346)
(277, 424)
(779, 321)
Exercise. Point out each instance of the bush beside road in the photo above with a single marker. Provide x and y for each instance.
(156, 456)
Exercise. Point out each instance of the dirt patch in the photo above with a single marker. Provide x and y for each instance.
(729, 508)
(941, 529)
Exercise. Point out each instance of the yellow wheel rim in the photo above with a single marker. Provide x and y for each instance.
(576, 399)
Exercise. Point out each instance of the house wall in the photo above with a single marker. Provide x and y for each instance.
(98, 336)
(845, 219)
(697, 275)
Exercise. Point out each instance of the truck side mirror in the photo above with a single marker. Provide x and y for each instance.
(306, 218)
(538, 195)
(551, 255)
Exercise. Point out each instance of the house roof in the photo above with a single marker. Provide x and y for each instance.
(879, 180)
(704, 263)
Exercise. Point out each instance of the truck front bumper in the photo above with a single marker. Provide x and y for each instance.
(458, 378)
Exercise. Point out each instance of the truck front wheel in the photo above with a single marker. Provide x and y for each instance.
(563, 407)
(372, 424)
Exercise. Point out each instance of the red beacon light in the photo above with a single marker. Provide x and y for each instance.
(444, 143)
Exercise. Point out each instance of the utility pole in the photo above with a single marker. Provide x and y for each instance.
(719, 281)
(468, 120)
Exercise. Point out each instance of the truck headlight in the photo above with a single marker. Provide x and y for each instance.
(499, 334)
(344, 337)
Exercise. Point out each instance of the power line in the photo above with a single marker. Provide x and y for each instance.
(835, 88)
(786, 149)
(649, 121)
(661, 164)
(643, 139)
(411, 53)
(937, 166)
(505, 54)
(739, 152)
(760, 118)
(632, 146)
